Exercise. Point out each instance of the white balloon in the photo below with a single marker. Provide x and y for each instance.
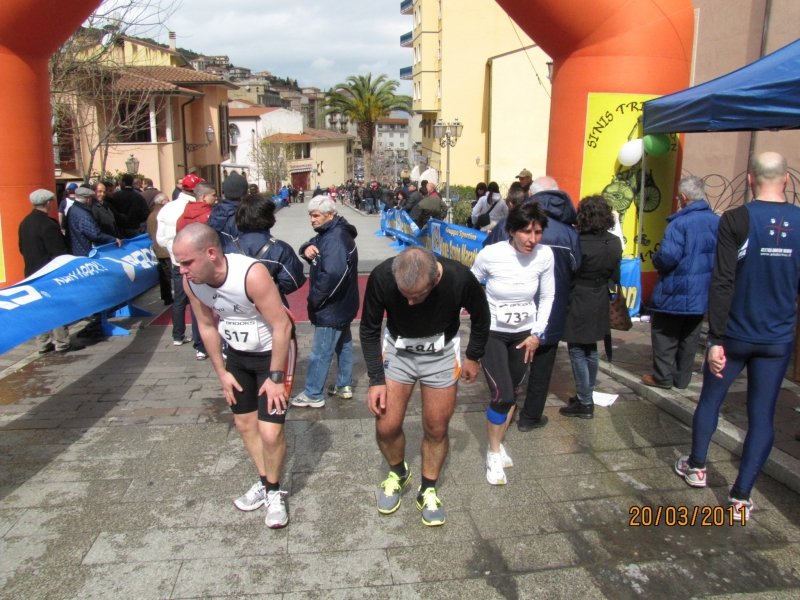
(631, 152)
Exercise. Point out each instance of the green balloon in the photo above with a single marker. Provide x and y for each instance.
(657, 144)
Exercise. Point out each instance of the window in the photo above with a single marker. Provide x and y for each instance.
(439, 52)
(440, 10)
(419, 16)
(402, 144)
(439, 91)
(223, 129)
(391, 135)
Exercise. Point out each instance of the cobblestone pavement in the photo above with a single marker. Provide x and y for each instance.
(119, 464)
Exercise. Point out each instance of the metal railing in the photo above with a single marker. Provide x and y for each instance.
(406, 7)
(407, 73)
(406, 39)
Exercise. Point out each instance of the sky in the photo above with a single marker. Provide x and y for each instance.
(317, 42)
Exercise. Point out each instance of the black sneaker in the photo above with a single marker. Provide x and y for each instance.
(49, 348)
(70, 348)
(530, 425)
(576, 409)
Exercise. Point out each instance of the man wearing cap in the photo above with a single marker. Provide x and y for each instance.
(40, 241)
(234, 188)
(525, 179)
(166, 222)
(66, 203)
(83, 233)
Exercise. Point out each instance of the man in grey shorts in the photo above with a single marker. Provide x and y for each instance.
(423, 296)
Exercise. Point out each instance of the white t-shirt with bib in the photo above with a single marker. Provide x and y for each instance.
(512, 281)
(240, 323)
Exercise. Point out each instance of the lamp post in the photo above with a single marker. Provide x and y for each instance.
(447, 134)
(132, 165)
(209, 136)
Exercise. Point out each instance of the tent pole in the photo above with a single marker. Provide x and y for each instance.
(641, 222)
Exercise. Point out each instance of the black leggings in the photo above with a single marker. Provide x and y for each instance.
(504, 367)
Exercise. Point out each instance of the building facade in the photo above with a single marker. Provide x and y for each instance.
(471, 62)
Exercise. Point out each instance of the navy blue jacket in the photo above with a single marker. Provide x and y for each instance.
(83, 231)
(565, 243)
(685, 260)
(280, 260)
(333, 289)
(222, 218)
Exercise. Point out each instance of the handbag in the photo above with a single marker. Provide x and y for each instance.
(483, 219)
(618, 312)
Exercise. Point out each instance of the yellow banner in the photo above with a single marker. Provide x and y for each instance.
(611, 121)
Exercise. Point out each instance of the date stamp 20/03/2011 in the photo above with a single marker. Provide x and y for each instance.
(686, 516)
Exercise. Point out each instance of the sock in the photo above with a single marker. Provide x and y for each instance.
(737, 495)
(427, 483)
(399, 469)
(696, 465)
(271, 487)
(263, 480)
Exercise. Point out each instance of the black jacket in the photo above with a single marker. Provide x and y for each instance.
(108, 220)
(131, 204)
(40, 241)
(564, 241)
(333, 299)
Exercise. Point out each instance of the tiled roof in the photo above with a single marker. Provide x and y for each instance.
(251, 112)
(309, 135)
(180, 75)
(135, 82)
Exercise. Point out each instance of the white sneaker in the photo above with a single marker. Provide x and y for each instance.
(741, 508)
(302, 400)
(277, 514)
(201, 355)
(180, 342)
(253, 499)
(495, 474)
(507, 462)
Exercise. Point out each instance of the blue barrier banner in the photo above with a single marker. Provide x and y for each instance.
(70, 288)
(453, 241)
(399, 224)
(631, 280)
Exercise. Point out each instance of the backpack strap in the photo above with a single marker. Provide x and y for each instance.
(238, 245)
(265, 248)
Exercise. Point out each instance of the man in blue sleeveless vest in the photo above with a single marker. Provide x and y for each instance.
(751, 319)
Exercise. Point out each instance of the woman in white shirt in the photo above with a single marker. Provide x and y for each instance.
(491, 205)
(515, 272)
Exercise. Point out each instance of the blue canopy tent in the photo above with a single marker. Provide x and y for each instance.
(763, 95)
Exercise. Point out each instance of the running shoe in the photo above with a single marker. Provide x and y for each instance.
(345, 391)
(495, 474)
(302, 400)
(694, 477)
(180, 342)
(389, 492)
(507, 462)
(430, 505)
(740, 506)
(201, 355)
(277, 513)
(255, 498)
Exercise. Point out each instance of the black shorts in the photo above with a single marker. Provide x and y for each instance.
(251, 370)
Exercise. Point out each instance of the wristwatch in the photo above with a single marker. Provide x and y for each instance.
(276, 376)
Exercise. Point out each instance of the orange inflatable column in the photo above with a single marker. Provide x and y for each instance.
(608, 46)
(30, 31)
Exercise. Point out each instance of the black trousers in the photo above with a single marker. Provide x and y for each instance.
(538, 383)
(674, 339)
(165, 278)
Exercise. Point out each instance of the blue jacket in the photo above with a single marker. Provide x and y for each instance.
(222, 218)
(565, 243)
(333, 289)
(280, 260)
(685, 260)
(83, 231)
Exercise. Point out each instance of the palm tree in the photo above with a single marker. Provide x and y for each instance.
(366, 100)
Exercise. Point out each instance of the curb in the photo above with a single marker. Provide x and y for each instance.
(780, 466)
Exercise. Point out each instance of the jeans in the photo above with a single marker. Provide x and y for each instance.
(370, 206)
(179, 312)
(766, 365)
(538, 383)
(674, 338)
(328, 340)
(584, 367)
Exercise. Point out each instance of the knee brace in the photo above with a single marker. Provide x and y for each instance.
(496, 418)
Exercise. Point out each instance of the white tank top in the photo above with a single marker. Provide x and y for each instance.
(240, 323)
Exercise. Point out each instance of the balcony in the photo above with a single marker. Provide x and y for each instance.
(407, 73)
(407, 39)
(407, 7)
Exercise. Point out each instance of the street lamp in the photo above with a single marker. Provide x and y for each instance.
(447, 134)
(209, 137)
(132, 165)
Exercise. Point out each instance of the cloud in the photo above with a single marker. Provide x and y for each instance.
(317, 42)
(322, 63)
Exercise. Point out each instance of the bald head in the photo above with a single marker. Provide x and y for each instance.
(769, 168)
(200, 236)
(545, 183)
